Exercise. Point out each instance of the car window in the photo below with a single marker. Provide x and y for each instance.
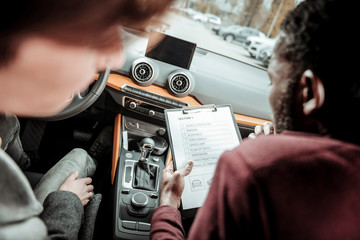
(222, 17)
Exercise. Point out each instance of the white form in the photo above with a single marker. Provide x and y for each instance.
(201, 136)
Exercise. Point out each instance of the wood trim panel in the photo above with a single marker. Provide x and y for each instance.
(116, 81)
(116, 144)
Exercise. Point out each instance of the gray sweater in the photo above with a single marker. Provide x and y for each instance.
(23, 217)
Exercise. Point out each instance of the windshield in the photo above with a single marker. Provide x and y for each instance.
(244, 30)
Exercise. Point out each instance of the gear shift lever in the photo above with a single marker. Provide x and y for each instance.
(146, 147)
(145, 173)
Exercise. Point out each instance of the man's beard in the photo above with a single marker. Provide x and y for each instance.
(284, 111)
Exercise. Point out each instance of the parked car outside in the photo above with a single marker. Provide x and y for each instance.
(199, 17)
(228, 29)
(265, 54)
(254, 44)
(211, 18)
(207, 17)
(219, 30)
(239, 33)
(215, 29)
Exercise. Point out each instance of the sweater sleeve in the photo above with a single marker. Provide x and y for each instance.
(230, 209)
(63, 214)
(166, 224)
(215, 219)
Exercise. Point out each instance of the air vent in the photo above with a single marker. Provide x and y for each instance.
(180, 84)
(143, 72)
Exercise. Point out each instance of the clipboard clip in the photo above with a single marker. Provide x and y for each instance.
(208, 107)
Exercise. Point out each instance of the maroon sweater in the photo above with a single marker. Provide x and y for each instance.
(288, 186)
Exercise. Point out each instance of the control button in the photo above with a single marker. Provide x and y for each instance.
(128, 155)
(161, 131)
(139, 199)
(144, 226)
(132, 105)
(127, 179)
(151, 113)
(129, 224)
(154, 195)
(125, 191)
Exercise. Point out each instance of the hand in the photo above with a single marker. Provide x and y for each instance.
(81, 187)
(259, 130)
(172, 184)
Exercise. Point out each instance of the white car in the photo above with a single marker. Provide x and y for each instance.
(213, 19)
(265, 55)
(254, 44)
(199, 17)
(207, 17)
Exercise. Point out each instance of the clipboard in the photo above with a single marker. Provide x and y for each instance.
(201, 134)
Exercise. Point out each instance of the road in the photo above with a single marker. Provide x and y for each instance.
(201, 34)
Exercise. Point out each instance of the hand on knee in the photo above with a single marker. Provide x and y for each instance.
(81, 187)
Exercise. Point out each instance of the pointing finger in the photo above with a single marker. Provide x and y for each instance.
(187, 169)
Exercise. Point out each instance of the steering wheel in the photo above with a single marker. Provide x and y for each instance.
(82, 100)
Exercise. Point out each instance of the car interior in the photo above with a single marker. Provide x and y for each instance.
(174, 73)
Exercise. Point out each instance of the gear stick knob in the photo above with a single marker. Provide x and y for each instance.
(146, 147)
(145, 173)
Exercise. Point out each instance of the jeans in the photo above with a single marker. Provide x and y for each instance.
(9, 133)
(76, 160)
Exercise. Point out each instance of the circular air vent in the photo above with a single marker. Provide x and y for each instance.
(143, 72)
(180, 84)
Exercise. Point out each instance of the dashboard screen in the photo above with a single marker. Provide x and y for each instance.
(170, 50)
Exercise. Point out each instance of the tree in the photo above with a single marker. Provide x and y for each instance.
(279, 10)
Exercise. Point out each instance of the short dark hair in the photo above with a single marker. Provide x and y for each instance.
(76, 22)
(320, 36)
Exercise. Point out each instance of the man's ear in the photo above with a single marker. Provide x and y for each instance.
(312, 92)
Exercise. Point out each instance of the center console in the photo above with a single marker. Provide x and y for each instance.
(143, 152)
(137, 191)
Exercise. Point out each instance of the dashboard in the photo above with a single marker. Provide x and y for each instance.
(210, 79)
(147, 84)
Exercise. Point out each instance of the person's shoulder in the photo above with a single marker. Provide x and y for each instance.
(290, 141)
(266, 150)
(264, 145)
